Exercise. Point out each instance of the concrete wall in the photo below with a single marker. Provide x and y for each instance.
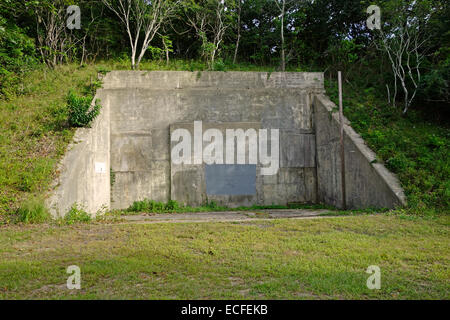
(132, 138)
(145, 104)
(311, 81)
(368, 183)
(295, 180)
(84, 174)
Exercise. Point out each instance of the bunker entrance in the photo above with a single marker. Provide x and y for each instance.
(236, 138)
(241, 142)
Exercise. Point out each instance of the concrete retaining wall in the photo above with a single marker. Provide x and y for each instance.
(84, 174)
(132, 139)
(368, 183)
(145, 104)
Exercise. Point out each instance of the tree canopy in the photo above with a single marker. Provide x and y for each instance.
(321, 35)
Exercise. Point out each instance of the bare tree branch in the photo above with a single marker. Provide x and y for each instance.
(141, 17)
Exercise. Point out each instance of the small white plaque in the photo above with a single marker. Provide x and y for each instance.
(100, 167)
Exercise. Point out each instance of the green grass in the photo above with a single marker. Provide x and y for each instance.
(76, 214)
(189, 65)
(322, 258)
(34, 133)
(151, 206)
(33, 211)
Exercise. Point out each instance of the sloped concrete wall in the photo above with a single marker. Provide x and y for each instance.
(84, 172)
(368, 183)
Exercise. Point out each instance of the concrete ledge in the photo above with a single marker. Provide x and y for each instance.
(213, 79)
(368, 184)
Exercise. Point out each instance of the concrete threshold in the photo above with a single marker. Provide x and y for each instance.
(226, 216)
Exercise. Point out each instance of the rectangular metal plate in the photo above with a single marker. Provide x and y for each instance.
(230, 179)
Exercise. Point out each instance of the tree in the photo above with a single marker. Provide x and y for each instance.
(167, 43)
(210, 19)
(283, 6)
(238, 29)
(404, 40)
(52, 37)
(141, 16)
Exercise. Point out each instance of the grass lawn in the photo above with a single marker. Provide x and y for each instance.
(322, 258)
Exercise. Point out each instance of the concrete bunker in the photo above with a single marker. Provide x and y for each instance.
(128, 154)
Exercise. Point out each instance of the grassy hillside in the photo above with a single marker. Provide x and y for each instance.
(414, 148)
(34, 134)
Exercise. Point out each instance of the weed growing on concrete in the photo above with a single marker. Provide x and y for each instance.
(172, 206)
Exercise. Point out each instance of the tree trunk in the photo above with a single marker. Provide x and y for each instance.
(406, 101)
(133, 59)
(167, 56)
(166, 49)
(283, 57)
(213, 58)
(238, 32)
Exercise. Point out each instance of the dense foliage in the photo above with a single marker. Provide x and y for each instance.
(326, 35)
(81, 112)
(17, 56)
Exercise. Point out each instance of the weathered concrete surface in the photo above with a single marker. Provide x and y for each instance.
(368, 183)
(132, 138)
(144, 105)
(84, 176)
(188, 181)
(204, 80)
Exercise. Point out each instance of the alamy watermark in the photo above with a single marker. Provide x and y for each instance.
(74, 280)
(374, 281)
(74, 19)
(374, 20)
(235, 153)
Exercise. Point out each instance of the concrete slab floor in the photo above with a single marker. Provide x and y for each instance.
(226, 216)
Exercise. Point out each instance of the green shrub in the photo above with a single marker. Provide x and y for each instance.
(33, 211)
(77, 214)
(219, 65)
(81, 113)
(154, 206)
(139, 206)
(211, 205)
(172, 205)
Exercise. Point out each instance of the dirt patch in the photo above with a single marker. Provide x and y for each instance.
(236, 281)
(254, 224)
(53, 288)
(244, 292)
